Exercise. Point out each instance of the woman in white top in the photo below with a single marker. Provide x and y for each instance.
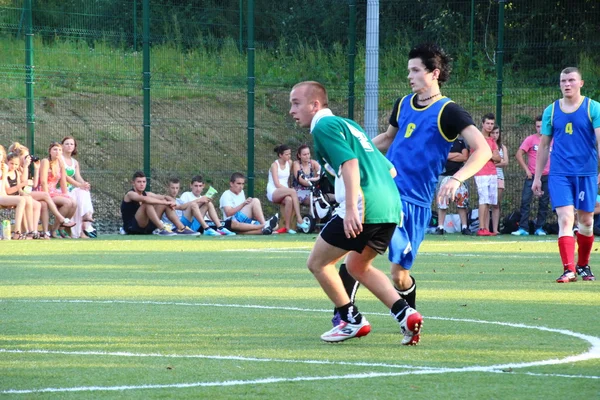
(503, 151)
(79, 190)
(279, 191)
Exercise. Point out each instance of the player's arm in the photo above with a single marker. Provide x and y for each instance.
(522, 163)
(230, 210)
(461, 156)
(504, 158)
(384, 140)
(543, 151)
(597, 131)
(150, 198)
(480, 153)
(4, 179)
(542, 158)
(351, 178)
(496, 156)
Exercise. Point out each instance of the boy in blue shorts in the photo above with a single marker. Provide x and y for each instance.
(363, 223)
(192, 207)
(422, 127)
(244, 215)
(574, 124)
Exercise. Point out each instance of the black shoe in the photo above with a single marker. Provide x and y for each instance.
(466, 231)
(585, 273)
(270, 224)
(439, 231)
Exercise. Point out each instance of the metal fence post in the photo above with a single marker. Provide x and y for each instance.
(146, 89)
(500, 62)
(351, 57)
(29, 77)
(251, 83)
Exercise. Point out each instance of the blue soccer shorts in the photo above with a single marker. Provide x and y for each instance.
(193, 225)
(577, 191)
(409, 235)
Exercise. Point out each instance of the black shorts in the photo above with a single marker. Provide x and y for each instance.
(134, 229)
(376, 236)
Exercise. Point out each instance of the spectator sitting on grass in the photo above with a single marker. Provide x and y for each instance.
(192, 207)
(244, 215)
(140, 211)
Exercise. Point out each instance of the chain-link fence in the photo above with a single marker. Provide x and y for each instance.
(163, 86)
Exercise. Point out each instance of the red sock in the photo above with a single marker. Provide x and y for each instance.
(566, 248)
(585, 244)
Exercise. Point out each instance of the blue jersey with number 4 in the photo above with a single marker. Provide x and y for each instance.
(574, 152)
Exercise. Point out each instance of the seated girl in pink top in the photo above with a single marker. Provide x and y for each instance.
(53, 180)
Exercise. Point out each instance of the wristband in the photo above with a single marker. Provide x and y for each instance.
(456, 179)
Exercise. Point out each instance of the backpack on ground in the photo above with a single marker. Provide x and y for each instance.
(511, 222)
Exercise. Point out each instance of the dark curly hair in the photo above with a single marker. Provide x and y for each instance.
(433, 57)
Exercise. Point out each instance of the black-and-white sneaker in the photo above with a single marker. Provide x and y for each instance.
(439, 231)
(270, 224)
(585, 273)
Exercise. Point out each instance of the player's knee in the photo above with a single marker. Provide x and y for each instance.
(313, 267)
(585, 228)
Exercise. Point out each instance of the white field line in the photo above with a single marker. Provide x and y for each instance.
(592, 353)
(269, 380)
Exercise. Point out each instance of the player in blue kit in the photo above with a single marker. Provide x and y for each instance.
(422, 127)
(574, 124)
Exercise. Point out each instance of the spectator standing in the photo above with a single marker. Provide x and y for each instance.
(529, 147)
(456, 159)
(503, 152)
(486, 179)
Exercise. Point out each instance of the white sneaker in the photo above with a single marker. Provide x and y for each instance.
(411, 327)
(346, 330)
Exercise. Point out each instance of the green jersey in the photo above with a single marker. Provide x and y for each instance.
(338, 140)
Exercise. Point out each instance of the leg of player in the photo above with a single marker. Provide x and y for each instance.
(359, 266)
(585, 242)
(566, 243)
(404, 284)
(321, 262)
(351, 286)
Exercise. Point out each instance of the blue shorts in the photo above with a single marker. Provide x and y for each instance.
(243, 218)
(577, 191)
(193, 225)
(409, 234)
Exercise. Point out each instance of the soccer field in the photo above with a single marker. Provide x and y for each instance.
(240, 317)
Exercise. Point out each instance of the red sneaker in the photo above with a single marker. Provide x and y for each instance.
(281, 230)
(483, 232)
(567, 277)
(411, 327)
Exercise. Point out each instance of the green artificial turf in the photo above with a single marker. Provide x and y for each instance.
(240, 317)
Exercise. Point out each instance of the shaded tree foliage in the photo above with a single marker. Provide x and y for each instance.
(538, 33)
